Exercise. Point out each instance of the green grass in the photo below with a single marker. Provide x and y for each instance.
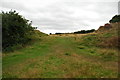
(60, 57)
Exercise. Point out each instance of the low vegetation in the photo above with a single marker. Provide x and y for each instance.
(93, 55)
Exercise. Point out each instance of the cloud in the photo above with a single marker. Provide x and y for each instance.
(52, 16)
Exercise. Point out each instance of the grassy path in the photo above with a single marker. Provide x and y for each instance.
(58, 57)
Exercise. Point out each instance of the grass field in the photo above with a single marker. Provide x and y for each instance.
(60, 57)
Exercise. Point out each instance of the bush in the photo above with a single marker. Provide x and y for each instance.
(116, 18)
(15, 29)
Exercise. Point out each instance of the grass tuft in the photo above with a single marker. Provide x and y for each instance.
(68, 54)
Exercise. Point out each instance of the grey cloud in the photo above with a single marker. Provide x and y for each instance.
(13, 5)
(66, 15)
(106, 7)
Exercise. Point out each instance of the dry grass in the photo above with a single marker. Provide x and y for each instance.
(111, 42)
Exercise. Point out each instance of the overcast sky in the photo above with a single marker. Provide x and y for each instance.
(51, 16)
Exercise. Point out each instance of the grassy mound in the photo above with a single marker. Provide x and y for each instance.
(104, 38)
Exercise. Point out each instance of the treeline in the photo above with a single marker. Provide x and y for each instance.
(84, 31)
(16, 30)
(79, 32)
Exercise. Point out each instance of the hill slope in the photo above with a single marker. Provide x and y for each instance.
(106, 36)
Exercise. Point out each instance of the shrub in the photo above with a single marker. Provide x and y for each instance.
(116, 18)
(15, 29)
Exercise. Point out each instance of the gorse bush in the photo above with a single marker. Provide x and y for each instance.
(15, 29)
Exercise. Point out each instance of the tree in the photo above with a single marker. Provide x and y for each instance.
(15, 29)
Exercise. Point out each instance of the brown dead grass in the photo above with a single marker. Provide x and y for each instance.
(111, 42)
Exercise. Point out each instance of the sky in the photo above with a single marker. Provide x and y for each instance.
(53, 16)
